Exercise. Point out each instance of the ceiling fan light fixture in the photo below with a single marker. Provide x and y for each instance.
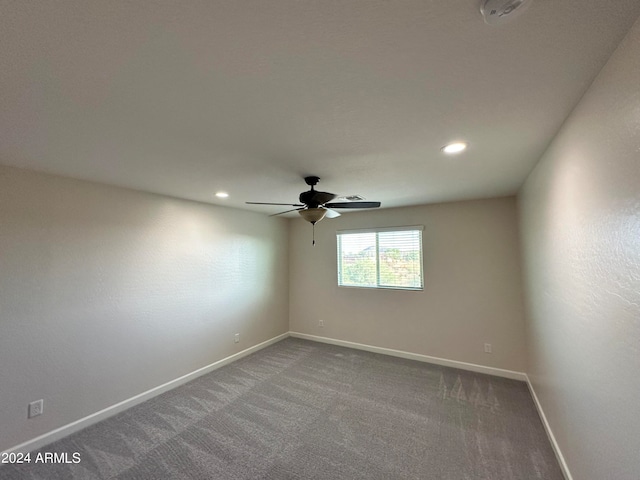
(313, 215)
(222, 195)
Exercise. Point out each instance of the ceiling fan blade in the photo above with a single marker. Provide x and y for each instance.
(287, 211)
(332, 213)
(267, 203)
(353, 205)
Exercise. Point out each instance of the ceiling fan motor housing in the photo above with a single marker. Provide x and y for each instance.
(314, 199)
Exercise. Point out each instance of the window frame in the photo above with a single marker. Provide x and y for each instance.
(377, 230)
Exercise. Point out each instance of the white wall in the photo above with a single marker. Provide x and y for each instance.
(472, 294)
(580, 216)
(106, 293)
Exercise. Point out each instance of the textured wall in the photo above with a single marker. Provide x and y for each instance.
(580, 211)
(472, 294)
(106, 293)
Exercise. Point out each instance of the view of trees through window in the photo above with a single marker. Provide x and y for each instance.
(384, 259)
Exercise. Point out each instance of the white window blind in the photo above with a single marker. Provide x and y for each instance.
(381, 258)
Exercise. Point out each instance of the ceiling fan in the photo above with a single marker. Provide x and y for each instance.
(315, 205)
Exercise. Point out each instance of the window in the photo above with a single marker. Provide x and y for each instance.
(381, 258)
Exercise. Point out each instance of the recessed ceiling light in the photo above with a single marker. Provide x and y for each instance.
(456, 147)
(222, 195)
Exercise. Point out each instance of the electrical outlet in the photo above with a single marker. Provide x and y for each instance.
(321, 323)
(236, 338)
(487, 348)
(36, 408)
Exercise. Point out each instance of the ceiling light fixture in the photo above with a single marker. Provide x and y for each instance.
(222, 195)
(453, 148)
(313, 215)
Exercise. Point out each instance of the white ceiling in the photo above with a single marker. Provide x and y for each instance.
(187, 98)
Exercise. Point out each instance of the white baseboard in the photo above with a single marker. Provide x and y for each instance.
(498, 372)
(73, 427)
(552, 439)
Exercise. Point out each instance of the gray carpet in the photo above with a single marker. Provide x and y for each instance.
(304, 410)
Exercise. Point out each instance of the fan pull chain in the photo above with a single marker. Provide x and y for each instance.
(313, 229)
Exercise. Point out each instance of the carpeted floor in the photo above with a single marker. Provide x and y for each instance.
(304, 410)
